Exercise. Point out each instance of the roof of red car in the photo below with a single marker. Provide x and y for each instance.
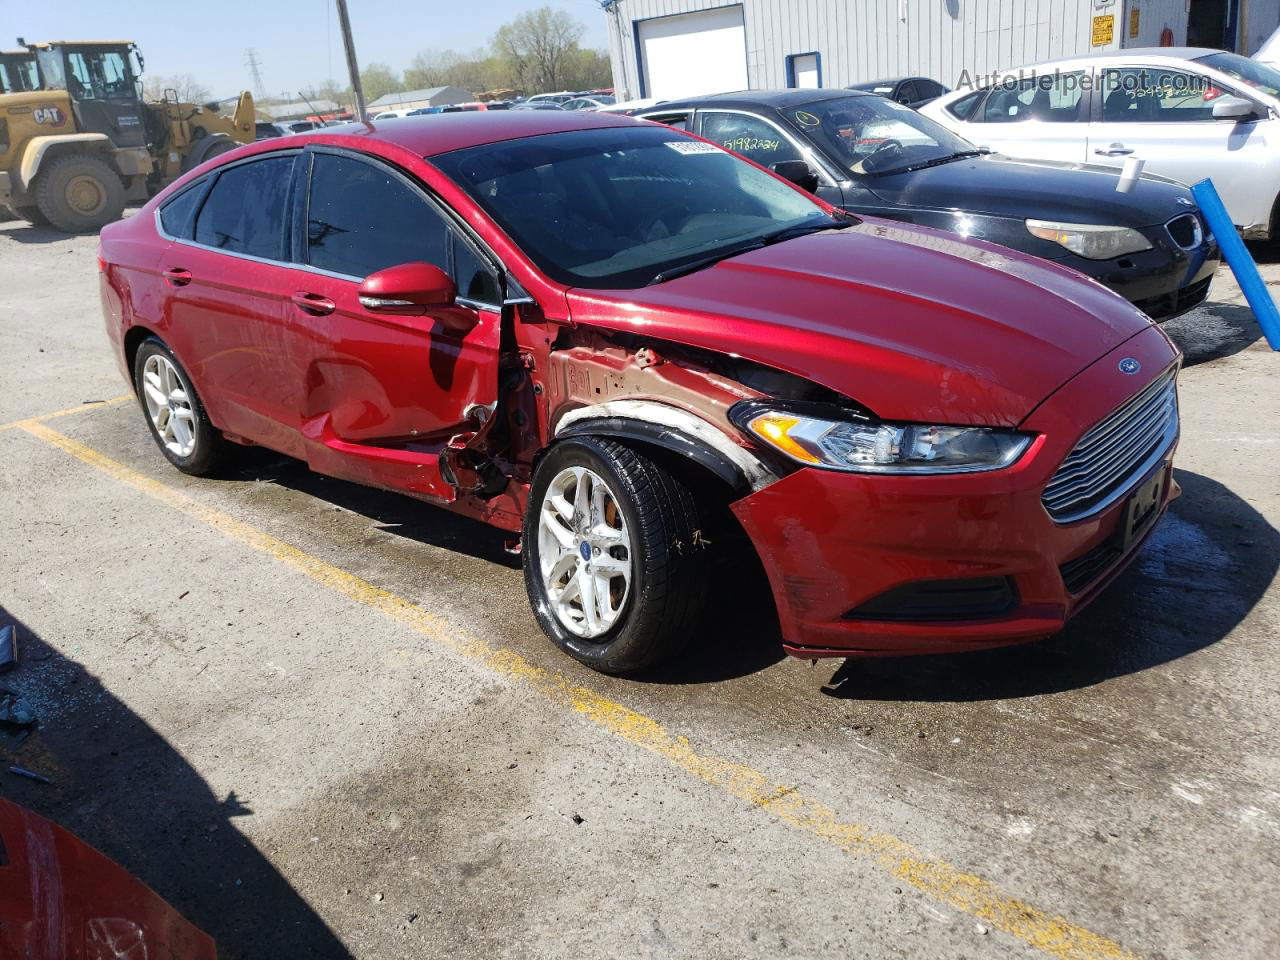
(431, 134)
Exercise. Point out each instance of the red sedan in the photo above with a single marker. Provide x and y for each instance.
(598, 332)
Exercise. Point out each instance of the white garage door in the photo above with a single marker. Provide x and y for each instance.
(694, 53)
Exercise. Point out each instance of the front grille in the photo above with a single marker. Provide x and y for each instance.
(1186, 231)
(1114, 454)
(1179, 301)
(981, 598)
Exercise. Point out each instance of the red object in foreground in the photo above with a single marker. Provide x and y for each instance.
(933, 443)
(62, 900)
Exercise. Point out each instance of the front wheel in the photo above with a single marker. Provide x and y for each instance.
(178, 422)
(79, 193)
(614, 560)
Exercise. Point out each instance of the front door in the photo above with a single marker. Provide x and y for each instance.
(1165, 117)
(384, 393)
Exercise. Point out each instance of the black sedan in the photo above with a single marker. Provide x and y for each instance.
(874, 156)
(909, 91)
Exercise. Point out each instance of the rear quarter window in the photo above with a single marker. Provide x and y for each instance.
(178, 213)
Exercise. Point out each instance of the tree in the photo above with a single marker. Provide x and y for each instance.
(537, 47)
(188, 89)
(378, 80)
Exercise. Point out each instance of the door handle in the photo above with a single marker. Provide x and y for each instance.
(177, 277)
(1115, 150)
(313, 304)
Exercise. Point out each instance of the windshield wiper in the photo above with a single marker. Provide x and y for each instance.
(939, 161)
(777, 236)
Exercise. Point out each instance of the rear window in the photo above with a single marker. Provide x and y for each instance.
(247, 209)
(176, 215)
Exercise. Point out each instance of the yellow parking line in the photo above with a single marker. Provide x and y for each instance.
(1054, 935)
(79, 408)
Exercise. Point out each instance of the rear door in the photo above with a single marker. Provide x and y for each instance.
(228, 279)
(1041, 118)
(384, 393)
(1166, 118)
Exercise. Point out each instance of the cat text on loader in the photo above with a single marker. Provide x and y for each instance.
(73, 151)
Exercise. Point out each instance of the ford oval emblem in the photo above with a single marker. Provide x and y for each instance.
(1130, 365)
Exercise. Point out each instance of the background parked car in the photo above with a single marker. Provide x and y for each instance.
(588, 103)
(1190, 113)
(265, 130)
(631, 108)
(871, 155)
(535, 105)
(393, 114)
(909, 91)
(557, 98)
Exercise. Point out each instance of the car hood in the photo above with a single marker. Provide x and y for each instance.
(1041, 190)
(915, 324)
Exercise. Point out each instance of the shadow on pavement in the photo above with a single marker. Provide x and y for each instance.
(1205, 568)
(23, 232)
(122, 788)
(1212, 332)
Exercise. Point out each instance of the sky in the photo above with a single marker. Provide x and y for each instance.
(297, 41)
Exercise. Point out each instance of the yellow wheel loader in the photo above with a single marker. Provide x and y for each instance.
(74, 150)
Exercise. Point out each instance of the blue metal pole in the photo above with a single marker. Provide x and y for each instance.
(1241, 262)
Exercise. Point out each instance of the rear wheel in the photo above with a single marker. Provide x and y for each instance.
(79, 193)
(179, 425)
(614, 563)
(206, 148)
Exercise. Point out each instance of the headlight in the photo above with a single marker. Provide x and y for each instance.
(873, 447)
(1091, 241)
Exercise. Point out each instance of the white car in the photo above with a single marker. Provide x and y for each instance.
(1189, 112)
(391, 114)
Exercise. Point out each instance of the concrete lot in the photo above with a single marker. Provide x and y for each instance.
(321, 722)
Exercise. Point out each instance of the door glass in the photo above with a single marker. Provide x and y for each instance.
(962, 109)
(99, 75)
(1148, 95)
(749, 136)
(679, 121)
(247, 209)
(1053, 98)
(362, 219)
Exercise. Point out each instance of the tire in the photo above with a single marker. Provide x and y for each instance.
(206, 148)
(198, 449)
(660, 606)
(32, 215)
(79, 193)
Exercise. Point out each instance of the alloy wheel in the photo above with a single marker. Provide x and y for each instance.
(168, 403)
(584, 551)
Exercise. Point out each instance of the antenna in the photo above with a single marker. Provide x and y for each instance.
(251, 60)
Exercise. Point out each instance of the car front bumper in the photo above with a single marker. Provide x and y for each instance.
(830, 542)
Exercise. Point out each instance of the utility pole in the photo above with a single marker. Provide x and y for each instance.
(353, 67)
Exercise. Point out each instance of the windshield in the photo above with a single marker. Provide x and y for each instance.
(1255, 74)
(614, 208)
(873, 136)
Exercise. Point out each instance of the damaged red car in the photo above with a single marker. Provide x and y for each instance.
(594, 332)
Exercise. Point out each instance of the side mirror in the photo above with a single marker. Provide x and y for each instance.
(407, 288)
(1234, 108)
(798, 172)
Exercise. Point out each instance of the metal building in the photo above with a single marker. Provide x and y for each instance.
(674, 48)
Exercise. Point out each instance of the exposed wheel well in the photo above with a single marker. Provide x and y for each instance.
(133, 339)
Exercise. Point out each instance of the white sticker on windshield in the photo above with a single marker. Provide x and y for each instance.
(692, 146)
